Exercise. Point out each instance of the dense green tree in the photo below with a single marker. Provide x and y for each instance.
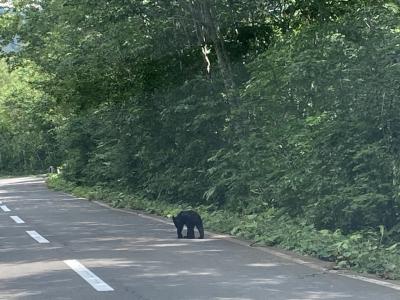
(27, 120)
(322, 106)
(246, 105)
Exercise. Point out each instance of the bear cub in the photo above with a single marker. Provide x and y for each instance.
(190, 219)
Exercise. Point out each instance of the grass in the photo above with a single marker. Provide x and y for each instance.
(360, 251)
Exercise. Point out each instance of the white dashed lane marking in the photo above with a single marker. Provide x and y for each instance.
(5, 208)
(98, 284)
(36, 236)
(17, 219)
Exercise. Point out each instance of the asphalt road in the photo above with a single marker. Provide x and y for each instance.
(81, 250)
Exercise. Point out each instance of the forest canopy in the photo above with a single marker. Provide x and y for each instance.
(241, 105)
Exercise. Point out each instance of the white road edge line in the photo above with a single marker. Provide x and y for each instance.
(371, 280)
(36, 236)
(98, 284)
(312, 265)
(267, 250)
(5, 208)
(17, 219)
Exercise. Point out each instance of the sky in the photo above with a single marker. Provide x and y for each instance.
(4, 4)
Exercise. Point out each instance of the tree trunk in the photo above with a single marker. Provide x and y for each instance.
(207, 25)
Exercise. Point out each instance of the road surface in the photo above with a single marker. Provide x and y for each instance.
(55, 246)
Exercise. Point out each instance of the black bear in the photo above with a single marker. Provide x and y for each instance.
(190, 219)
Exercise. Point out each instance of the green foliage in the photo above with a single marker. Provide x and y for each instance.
(319, 139)
(27, 142)
(279, 120)
(362, 251)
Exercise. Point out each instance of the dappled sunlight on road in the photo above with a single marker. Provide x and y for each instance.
(200, 251)
(26, 269)
(168, 245)
(139, 256)
(219, 298)
(266, 265)
(308, 295)
(20, 294)
(45, 275)
(178, 273)
(249, 282)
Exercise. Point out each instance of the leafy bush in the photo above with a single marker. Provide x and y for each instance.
(363, 251)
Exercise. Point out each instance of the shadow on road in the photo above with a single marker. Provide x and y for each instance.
(139, 257)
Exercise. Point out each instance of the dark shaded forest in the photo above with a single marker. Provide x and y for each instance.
(266, 109)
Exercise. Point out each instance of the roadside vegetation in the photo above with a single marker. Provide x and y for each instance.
(363, 251)
(277, 120)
